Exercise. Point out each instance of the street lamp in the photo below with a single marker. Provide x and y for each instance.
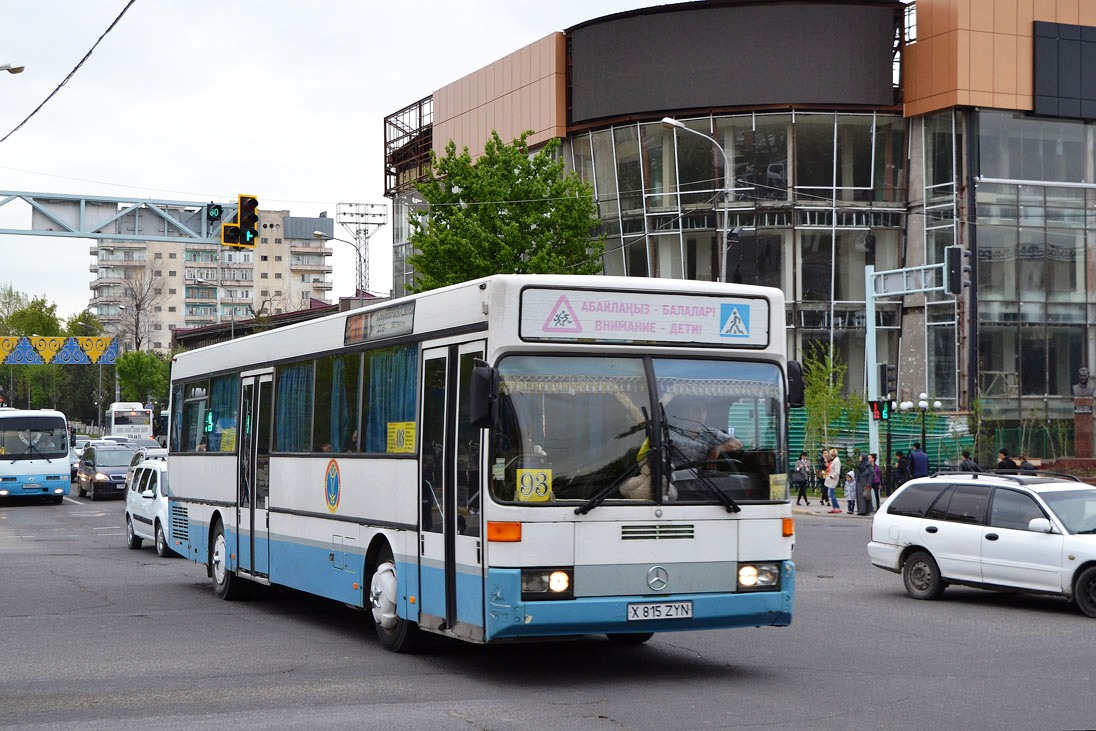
(923, 406)
(12, 69)
(99, 390)
(671, 123)
(359, 271)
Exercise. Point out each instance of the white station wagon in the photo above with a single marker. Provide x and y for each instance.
(1032, 532)
(146, 506)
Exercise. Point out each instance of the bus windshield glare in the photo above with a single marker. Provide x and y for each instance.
(33, 437)
(580, 428)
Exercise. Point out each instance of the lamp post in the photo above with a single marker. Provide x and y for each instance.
(360, 287)
(99, 390)
(923, 406)
(12, 68)
(671, 123)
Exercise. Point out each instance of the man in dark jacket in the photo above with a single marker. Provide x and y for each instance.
(1004, 462)
(919, 462)
(968, 464)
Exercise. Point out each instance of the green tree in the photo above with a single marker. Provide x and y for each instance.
(144, 376)
(35, 386)
(507, 212)
(823, 386)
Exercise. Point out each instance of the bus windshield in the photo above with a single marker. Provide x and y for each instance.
(33, 437)
(572, 428)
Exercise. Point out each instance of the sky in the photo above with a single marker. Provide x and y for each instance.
(199, 100)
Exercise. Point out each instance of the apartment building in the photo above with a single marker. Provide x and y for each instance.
(143, 290)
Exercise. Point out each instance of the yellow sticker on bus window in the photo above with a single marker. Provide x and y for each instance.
(778, 487)
(228, 440)
(534, 485)
(401, 437)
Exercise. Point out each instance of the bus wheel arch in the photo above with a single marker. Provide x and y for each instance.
(226, 584)
(394, 632)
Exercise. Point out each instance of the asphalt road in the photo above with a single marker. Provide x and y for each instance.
(95, 636)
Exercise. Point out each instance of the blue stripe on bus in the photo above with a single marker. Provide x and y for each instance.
(508, 617)
(310, 568)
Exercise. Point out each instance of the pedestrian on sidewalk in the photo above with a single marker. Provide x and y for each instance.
(967, 464)
(850, 491)
(801, 477)
(876, 482)
(833, 476)
(865, 471)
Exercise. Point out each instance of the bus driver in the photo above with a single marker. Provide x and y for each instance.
(691, 439)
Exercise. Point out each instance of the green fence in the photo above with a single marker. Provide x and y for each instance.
(943, 446)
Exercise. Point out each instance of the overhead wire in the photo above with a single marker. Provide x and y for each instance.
(71, 73)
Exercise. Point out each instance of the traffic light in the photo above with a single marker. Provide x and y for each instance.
(888, 380)
(230, 234)
(214, 211)
(874, 407)
(955, 267)
(884, 410)
(248, 220)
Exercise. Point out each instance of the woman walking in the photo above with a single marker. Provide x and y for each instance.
(801, 477)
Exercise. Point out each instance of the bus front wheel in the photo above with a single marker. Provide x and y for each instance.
(225, 582)
(394, 632)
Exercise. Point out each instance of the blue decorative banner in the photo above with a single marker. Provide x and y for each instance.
(37, 350)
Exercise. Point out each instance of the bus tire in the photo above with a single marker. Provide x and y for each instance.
(57, 499)
(630, 638)
(394, 632)
(132, 540)
(226, 584)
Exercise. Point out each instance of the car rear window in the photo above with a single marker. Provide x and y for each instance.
(914, 500)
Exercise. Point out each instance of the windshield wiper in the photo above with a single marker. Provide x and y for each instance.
(603, 494)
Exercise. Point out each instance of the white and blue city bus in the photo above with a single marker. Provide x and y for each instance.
(514, 457)
(34, 454)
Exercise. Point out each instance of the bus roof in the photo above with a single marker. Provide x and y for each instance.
(460, 306)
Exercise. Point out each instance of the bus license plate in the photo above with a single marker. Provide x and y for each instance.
(663, 610)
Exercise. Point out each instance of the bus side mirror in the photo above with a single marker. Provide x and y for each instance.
(483, 397)
(795, 383)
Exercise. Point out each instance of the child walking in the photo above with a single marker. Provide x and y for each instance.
(850, 491)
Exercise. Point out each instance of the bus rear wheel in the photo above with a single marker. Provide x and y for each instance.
(394, 632)
(225, 582)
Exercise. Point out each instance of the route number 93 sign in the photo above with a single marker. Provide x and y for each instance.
(534, 485)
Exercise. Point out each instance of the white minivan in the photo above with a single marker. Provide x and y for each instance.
(146, 506)
(1032, 532)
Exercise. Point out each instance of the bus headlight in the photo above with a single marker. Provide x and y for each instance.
(759, 576)
(550, 583)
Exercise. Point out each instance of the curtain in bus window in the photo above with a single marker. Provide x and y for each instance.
(223, 403)
(389, 394)
(293, 409)
(335, 427)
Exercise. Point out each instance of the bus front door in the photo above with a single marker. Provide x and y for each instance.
(253, 536)
(451, 545)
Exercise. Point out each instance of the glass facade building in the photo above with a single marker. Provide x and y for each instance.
(823, 138)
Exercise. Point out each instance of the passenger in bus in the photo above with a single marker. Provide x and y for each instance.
(691, 439)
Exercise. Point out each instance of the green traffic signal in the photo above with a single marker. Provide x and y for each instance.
(248, 218)
(214, 211)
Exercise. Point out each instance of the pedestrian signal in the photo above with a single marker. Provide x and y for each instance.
(876, 413)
